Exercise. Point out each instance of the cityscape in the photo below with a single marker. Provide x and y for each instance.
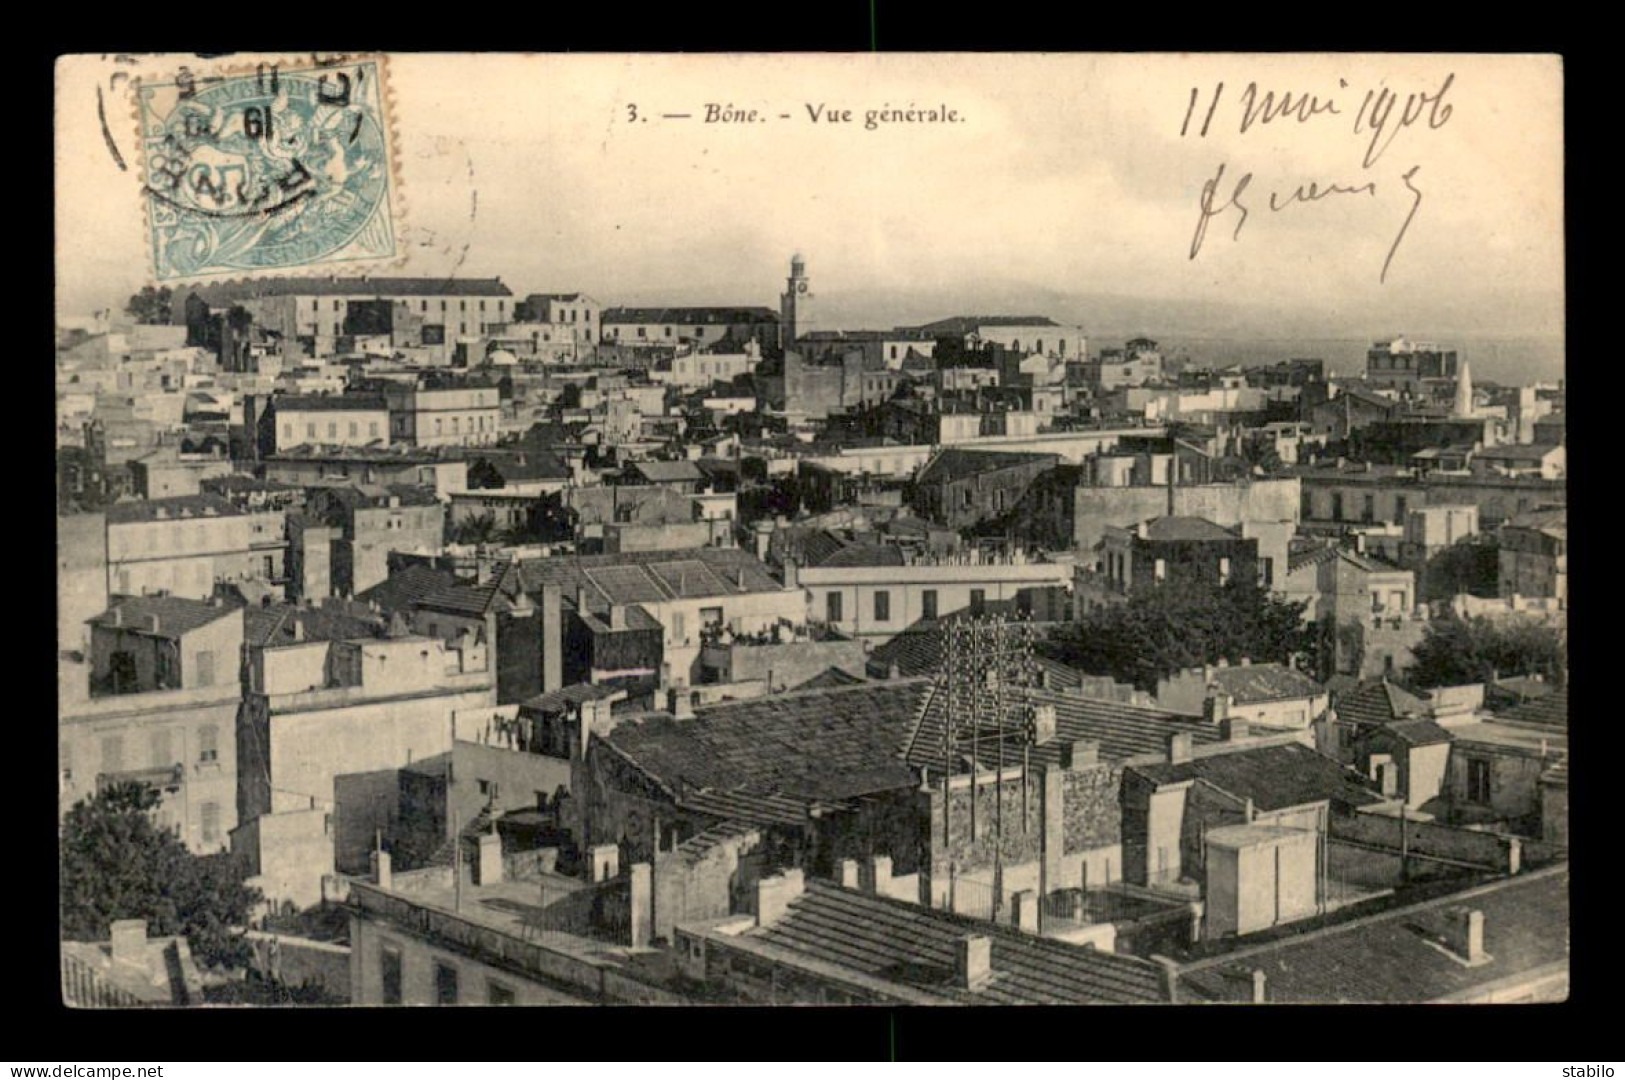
(433, 640)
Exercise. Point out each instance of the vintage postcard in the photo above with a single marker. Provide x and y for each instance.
(826, 529)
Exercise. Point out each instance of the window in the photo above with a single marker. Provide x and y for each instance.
(1478, 780)
(882, 606)
(287, 431)
(490, 789)
(355, 429)
(711, 616)
(389, 972)
(332, 429)
(1337, 506)
(462, 305)
(482, 305)
(1368, 509)
(209, 814)
(204, 662)
(832, 607)
(112, 753)
(497, 994)
(310, 431)
(978, 597)
(928, 604)
(1268, 575)
(208, 743)
(1399, 508)
(445, 980)
(372, 429)
(679, 632)
(315, 305)
(965, 498)
(335, 305)
(423, 305)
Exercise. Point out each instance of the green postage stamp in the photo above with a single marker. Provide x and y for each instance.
(272, 169)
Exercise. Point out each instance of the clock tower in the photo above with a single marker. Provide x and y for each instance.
(795, 306)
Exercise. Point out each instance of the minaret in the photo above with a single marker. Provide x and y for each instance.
(795, 305)
(1464, 392)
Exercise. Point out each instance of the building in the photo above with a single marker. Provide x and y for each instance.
(180, 545)
(1525, 460)
(1506, 942)
(569, 316)
(130, 970)
(167, 473)
(962, 488)
(1533, 555)
(367, 525)
(318, 466)
(797, 306)
(1273, 696)
(873, 591)
(1018, 333)
(444, 415)
(816, 942)
(314, 316)
(1404, 365)
(1496, 772)
(1342, 493)
(360, 420)
(700, 326)
(1188, 550)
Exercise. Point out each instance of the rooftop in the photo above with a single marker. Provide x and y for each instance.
(227, 292)
(178, 507)
(1273, 777)
(1379, 702)
(1248, 684)
(699, 316)
(330, 402)
(163, 616)
(1399, 955)
(286, 624)
(649, 576)
(1166, 529)
(1550, 710)
(955, 464)
(905, 947)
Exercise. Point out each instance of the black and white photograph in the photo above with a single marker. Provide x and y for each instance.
(811, 529)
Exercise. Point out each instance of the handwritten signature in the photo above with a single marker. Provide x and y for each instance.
(1211, 205)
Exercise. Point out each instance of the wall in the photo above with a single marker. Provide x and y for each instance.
(1223, 504)
(363, 805)
(291, 853)
(1423, 838)
(1514, 786)
(690, 886)
(81, 577)
(296, 961)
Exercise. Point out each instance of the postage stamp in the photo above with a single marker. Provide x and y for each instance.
(275, 169)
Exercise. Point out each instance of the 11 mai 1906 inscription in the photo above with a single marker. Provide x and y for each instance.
(267, 170)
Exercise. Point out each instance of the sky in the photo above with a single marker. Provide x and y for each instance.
(1065, 187)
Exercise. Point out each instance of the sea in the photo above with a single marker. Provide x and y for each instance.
(1507, 361)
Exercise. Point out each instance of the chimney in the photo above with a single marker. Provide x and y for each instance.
(152, 623)
(130, 942)
(849, 874)
(792, 574)
(1043, 724)
(774, 894)
(1179, 747)
(1080, 754)
(1234, 728)
(118, 616)
(1464, 931)
(298, 628)
(1223, 662)
(973, 961)
(381, 870)
(1359, 542)
(680, 702)
(617, 616)
(1259, 987)
(489, 865)
(581, 599)
(1246, 661)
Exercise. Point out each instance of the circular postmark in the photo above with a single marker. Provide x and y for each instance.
(251, 173)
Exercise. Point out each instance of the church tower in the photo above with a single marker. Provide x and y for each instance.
(796, 304)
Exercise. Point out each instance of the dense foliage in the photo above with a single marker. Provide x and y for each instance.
(1168, 627)
(1457, 651)
(150, 306)
(119, 863)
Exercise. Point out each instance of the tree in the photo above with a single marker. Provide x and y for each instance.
(1455, 651)
(479, 529)
(1175, 625)
(482, 474)
(1260, 454)
(150, 306)
(119, 863)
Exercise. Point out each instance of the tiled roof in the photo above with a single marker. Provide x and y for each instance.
(864, 554)
(1274, 777)
(906, 944)
(402, 590)
(1187, 528)
(216, 295)
(667, 472)
(1122, 731)
(466, 599)
(1249, 683)
(1379, 702)
(176, 615)
(275, 625)
(829, 679)
(1551, 709)
(964, 324)
(180, 507)
(1420, 732)
(954, 464)
(699, 316)
(636, 619)
(1398, 956)
(330, 402)
(820, 745)
(649, 576)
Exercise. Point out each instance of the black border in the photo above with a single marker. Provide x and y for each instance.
(610, 1033)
